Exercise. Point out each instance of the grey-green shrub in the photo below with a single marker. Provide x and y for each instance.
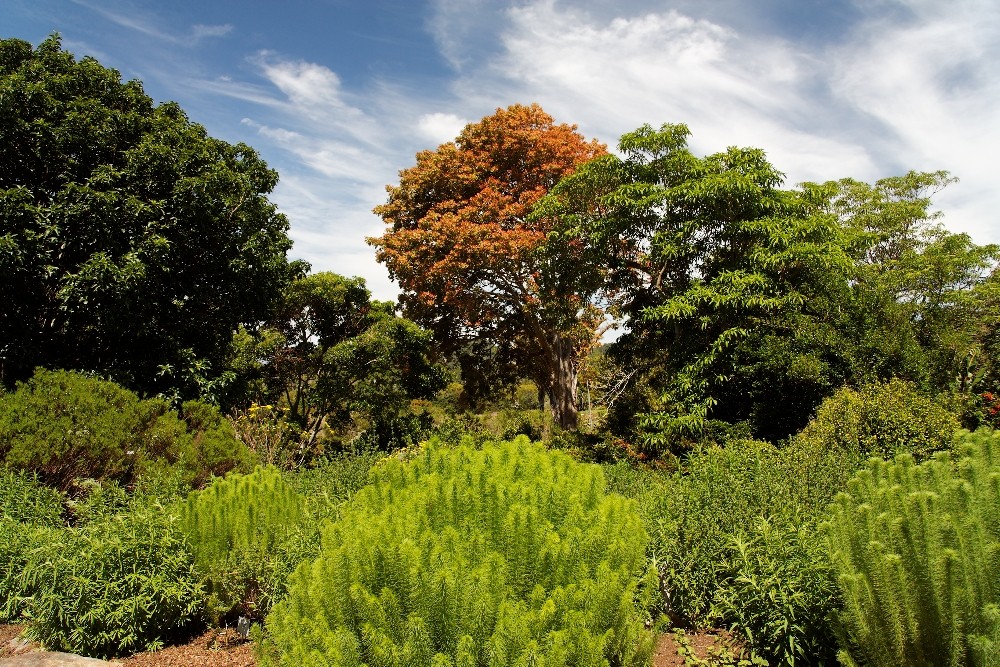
(917, 552)
(502, 556)
(118, 585)
(239, 527)
(882, 420)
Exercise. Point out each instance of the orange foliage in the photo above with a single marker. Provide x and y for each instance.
(459, 234)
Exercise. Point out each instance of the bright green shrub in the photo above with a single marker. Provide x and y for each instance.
(882, 420)
(23, 498)
(66, 426)
(113, 587)
(501, 556)
(237, 528)
(917, 552)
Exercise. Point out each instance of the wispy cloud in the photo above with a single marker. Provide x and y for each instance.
(200, 31)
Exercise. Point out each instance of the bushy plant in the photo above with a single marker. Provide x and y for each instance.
(778, 593)
(917, 551)
(238, 528)
(501, 556)
(19, 543)
(65, 426)
(115, 586)
(733, 534)
(25, 499)
(882, 420)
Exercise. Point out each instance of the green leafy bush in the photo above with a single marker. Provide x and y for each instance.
(115, 586)
(733, 536)
(882, 420)
(23, 498)
(65, 426)
(19, 543)
(501, 556)
(917, 551)
(238, 528)
(778, 594)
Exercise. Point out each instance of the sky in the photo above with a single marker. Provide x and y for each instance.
(339, 95)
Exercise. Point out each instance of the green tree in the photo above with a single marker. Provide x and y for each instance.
(714, 266)
(333, 354)
(132, 244)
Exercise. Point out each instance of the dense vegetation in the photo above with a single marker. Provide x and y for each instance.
(194, 429)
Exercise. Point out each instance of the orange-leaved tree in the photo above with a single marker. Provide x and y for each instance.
(476, 270)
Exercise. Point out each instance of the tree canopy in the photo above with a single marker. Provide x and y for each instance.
(131, 243)
(473, 265)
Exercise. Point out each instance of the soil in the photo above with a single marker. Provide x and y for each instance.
(224, 648)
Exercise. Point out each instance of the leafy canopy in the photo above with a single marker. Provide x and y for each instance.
(131, 242)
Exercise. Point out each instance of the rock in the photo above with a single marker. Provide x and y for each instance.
(52, 659)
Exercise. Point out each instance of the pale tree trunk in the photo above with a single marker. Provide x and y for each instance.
(562, 387)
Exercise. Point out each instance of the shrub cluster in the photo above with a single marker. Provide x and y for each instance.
(115, 586)
(734, 536)
(239, 529)
(64, 426)
(917, 551)
(882, 420)
(502, 556)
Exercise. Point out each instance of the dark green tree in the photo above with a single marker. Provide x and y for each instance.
(332, 355)
(132, 244)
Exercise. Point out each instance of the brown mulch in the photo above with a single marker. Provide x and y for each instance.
(215, 648)
(224, 648)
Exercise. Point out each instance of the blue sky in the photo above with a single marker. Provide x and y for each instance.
(338, 95)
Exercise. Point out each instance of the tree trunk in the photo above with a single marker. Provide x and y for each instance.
(562, 390)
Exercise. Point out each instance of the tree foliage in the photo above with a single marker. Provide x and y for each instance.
(476, 269)
(332, 355)
(131, 242)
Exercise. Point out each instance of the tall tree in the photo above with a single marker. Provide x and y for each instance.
(132, 244)
(712, 263)
(476, 270)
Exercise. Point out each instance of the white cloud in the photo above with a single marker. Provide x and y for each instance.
(440, 127)
(930, 80)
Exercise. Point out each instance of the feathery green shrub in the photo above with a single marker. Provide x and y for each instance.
(502, 556)
(116, 586)
(917, 552)
(239, 527)
(882, 420)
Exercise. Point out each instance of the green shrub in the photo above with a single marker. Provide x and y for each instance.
(777, 593)
(917, 551)
(238, 527)
(19, 543)
(64, 426)
(501, 556)
(23, 498)
(733, 535)
(882, 420)
(115, 586)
